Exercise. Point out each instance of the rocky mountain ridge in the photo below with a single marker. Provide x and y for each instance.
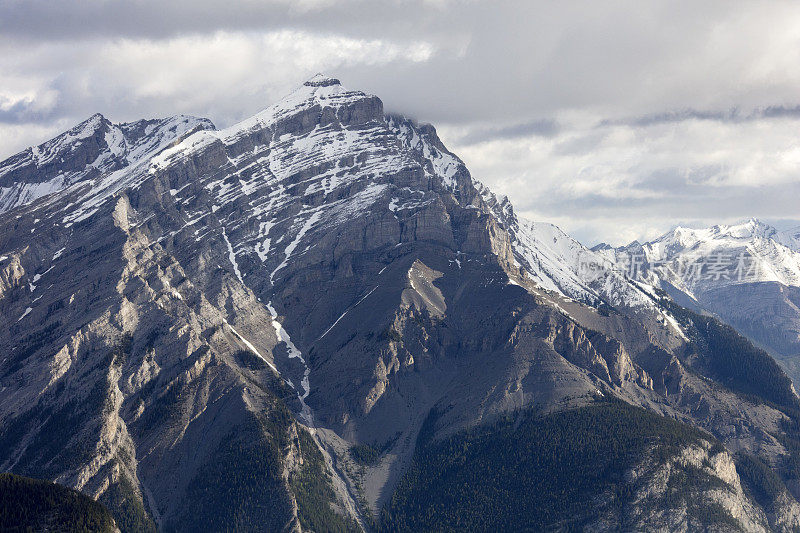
(93, 147)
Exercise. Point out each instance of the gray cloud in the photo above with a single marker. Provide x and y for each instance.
(780, 111)
(668, 117)
(23, 112)
(682, 181)
(508, 61)
(542, 127)
(732, 115)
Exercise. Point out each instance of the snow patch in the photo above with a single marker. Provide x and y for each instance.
(294, 353)
(251, 347)
(290, 248)
(232, 256)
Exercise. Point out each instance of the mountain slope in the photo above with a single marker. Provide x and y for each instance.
(221, 320)
(33, 505)
(600, 467)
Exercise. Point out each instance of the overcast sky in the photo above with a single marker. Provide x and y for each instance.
(614, 120)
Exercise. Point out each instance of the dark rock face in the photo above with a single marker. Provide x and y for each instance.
(767, 312)
(320, 258)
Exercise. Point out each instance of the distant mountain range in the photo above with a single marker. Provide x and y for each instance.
(316, 319)
(746, 274)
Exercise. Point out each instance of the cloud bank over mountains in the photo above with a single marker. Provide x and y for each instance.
(615, 121)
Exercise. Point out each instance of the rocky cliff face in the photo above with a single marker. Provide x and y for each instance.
(203, 320)
(653, 480)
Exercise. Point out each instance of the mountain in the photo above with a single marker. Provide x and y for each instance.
(93, 147)
(295, 322)
(558, 263)
(33, 505)
(747, 274)
(790, 238)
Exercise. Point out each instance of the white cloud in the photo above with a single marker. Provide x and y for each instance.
(618, 182)
(205, 68)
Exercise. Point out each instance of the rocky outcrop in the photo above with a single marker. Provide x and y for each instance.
(701, 489)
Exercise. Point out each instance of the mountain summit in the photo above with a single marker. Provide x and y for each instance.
(321, 80)
(316, 319)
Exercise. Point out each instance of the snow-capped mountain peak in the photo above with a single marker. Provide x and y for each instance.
(559, 263)
(769, 255)
(321, 80)
(749, 229)
(746, 273)
(319, 92)
(182, 290)
(89, 150)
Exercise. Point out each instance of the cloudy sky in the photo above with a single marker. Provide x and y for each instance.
(615, 120)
